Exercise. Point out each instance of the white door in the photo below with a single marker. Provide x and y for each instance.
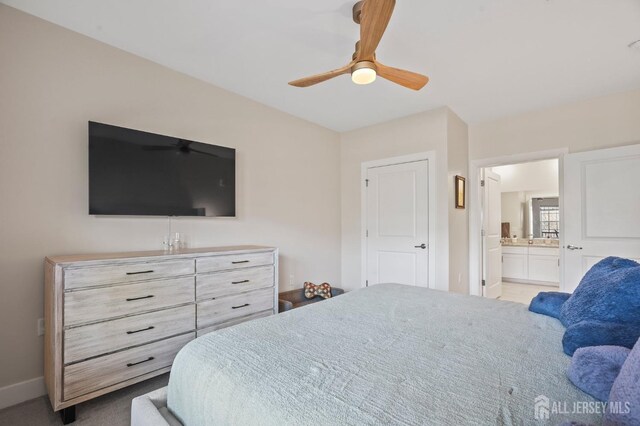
(492, 227)
(602, 209)
(398, 224)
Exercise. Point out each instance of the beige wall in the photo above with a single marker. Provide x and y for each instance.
(581, 126)
(537, 176)
(458, 163)
(440, 131)
(52, 81)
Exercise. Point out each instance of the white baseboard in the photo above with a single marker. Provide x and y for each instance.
(20, 392)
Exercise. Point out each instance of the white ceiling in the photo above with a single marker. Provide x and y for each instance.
(486, 58)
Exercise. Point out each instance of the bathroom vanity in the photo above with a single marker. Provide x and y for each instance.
(534, 264)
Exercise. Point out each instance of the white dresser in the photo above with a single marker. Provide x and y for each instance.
(112, 320)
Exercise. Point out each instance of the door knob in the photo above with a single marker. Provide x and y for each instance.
(421, 246)
(570, 247)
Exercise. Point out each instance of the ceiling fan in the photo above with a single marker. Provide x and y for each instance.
(180, 147)
(373, 17)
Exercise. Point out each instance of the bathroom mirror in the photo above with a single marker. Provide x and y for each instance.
(543, 218)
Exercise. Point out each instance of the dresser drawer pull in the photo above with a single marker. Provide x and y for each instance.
(241, 306)
(141, 272)
(131, 364)
(139, 331)
(239, 261)
(239, 282)
(140, 298)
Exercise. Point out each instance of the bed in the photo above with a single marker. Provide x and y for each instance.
(387, 354)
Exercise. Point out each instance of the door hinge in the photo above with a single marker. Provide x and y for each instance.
(367, 233)
(366, 182)
(482, 182)
(482, 233)
(484, 283)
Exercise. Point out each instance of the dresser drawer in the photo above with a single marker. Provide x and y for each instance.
(227, 308)
(236, 321)
(126, 272)
(96, 339)
(219, 284)
(235, 261)
(97, 304)
(88, 376)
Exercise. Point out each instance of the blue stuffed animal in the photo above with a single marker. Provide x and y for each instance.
(610, 374)
(549, 303)
(625, 393)
(594, 369)
(603, 310)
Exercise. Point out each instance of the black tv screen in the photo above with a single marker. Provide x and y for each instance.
(140, 173)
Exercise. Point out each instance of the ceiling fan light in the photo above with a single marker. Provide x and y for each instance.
(363, 73)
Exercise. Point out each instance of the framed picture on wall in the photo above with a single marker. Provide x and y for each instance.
(461, 195)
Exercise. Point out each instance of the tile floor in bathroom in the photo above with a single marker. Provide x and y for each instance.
(523, 293)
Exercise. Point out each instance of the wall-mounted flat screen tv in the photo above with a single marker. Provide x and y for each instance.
(140, 173)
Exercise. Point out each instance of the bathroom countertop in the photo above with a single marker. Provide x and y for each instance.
(526, 244)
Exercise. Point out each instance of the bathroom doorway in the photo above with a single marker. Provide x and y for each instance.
(521, 228)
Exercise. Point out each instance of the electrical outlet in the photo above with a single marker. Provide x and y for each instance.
(291, 281)
(40, 327)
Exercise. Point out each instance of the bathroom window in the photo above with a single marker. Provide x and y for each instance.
(549, 221)
(544, 217)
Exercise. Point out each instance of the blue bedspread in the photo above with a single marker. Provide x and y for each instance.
(388, 354)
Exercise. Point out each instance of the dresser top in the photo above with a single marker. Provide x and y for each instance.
(188, 252)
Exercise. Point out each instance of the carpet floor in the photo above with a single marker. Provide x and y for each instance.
(113, 409)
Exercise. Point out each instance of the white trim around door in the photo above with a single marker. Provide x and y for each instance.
(430, 157)
(475, 208)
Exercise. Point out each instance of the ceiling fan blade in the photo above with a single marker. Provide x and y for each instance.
(159, 148)
(197, 151)
(404, 78)
(310, 81)
(374, 19)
